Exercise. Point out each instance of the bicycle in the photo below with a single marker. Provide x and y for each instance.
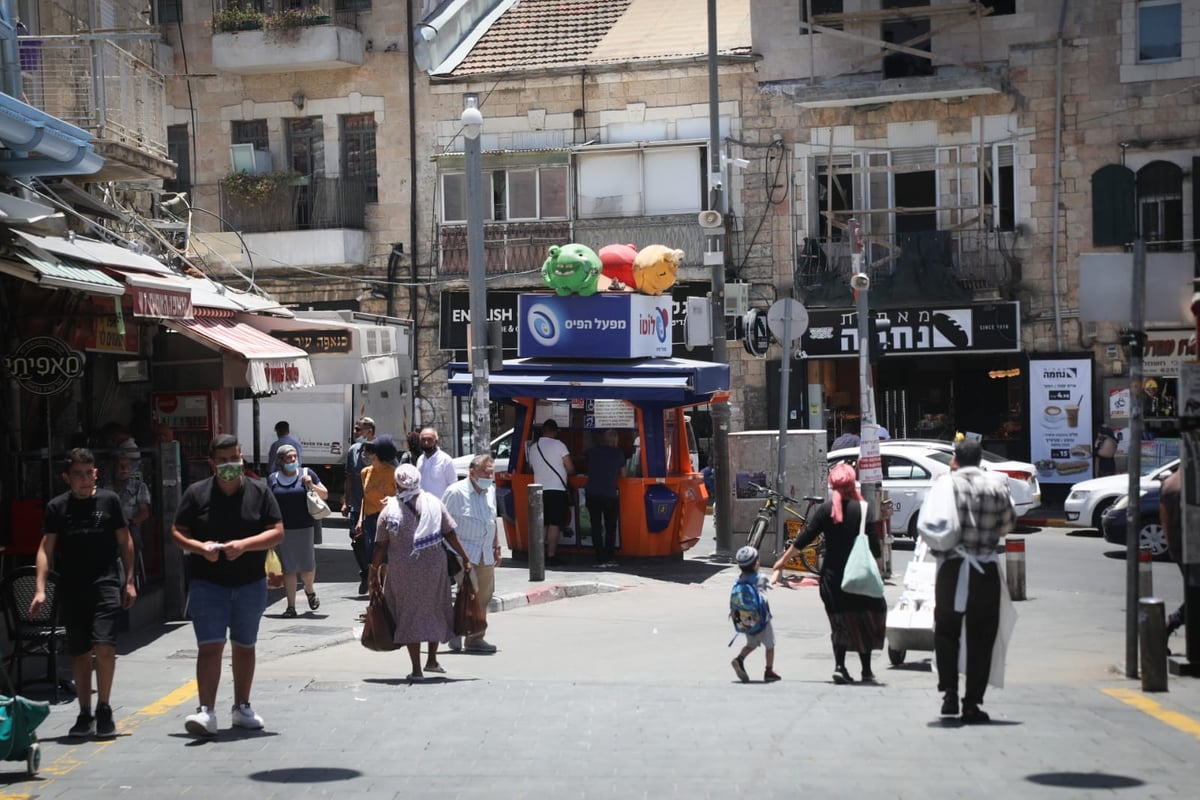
(812, 556)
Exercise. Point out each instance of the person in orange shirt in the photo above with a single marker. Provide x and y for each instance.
(378, 485)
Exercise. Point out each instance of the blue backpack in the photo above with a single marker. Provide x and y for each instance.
(747, 607)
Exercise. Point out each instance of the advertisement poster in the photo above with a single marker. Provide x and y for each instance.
(1060, 419)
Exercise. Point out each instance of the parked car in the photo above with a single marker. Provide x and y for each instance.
(911, 465)
(1088, 500)
(1151, 533)
(501, 448)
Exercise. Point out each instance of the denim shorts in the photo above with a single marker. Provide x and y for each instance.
(217, 609)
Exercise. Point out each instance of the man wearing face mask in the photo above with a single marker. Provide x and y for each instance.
(226, 525)
(472, 504)
(436, 465)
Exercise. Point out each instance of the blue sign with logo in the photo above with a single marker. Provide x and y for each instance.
(597, 326)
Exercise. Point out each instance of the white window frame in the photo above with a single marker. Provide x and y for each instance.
(489, 214)
(657, 180)
(1143, 4)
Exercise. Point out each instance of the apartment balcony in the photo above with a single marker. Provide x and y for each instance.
(311, 222)
(930, 267)
(322, 43)
(109, 92)
(516, 247)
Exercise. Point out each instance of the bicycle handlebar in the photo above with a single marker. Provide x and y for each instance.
(779, 495)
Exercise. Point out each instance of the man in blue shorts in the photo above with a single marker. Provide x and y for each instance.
(225, 525)
(86, 539)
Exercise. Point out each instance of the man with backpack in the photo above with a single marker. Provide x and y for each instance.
(751, 615)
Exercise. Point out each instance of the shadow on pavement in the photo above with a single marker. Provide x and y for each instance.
(302, 775)
(1085, 533)
(1084, 780)
(955, 722)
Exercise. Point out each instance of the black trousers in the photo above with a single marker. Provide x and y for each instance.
(603, 513)
(982, 621)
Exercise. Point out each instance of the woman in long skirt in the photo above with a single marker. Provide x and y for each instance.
(857, 623)
(413, 531)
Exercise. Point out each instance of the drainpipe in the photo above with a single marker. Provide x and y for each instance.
(1058, 101)
(412, 177)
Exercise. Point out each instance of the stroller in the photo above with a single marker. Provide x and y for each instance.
(19, 719)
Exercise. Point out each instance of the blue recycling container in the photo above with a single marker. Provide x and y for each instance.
(660, 507)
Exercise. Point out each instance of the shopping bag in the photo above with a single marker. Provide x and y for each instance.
(379, 629)
(274, 570)
(468, 616)
(861, 575)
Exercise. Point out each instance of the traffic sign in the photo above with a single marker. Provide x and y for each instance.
(791, 310)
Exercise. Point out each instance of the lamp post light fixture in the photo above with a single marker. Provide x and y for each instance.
(472, 126)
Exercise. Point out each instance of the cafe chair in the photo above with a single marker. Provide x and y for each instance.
(32, 636)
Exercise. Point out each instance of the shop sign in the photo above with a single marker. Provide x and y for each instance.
(1164, 351)
(990, 328)
(1060, 418)
(161, 303)
(44, 365)
(110, 336)
(598, 326)
(603, 414)
(316, 342)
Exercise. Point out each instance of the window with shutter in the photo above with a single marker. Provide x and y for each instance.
(1113, 198)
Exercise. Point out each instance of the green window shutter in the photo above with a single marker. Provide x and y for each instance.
(1114, 194)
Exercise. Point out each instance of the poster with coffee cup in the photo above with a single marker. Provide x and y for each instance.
(1060, 424)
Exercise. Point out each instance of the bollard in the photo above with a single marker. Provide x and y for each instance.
(1152, 638)
(537, 534)
(1014, 566)
(1145, 573)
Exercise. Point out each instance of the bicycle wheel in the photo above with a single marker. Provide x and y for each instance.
(813, 556)
(757, 531)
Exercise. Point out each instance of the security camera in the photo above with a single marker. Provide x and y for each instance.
(860, 281)
(710, 219)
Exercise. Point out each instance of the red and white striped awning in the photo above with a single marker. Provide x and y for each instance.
(272, 365)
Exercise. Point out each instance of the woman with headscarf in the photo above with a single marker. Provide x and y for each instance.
(378, 485)
(290, 483)
(857, 623)
(413, 531)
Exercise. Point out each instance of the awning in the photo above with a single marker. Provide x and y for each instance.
(61, 276)
(63, 148)
(97, 252)
(272, 366)
(668, 381)
(158, 296)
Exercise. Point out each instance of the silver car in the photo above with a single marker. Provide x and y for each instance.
(911, 465)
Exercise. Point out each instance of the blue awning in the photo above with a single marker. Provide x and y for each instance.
(665, 381)
(60, 147)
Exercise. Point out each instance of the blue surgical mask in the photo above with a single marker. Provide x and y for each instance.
(290, 467)
(484, 483)
(229, 472)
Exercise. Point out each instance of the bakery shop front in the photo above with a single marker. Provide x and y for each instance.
(938, 370)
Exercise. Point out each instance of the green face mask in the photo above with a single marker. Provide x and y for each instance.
(229, 472)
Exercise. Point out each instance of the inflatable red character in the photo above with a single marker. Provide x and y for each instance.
(617, 263)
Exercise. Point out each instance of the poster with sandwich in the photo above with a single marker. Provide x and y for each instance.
(1060, 418)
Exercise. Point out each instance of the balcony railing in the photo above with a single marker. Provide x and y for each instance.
(515, 247)
(97, 86)
(343, 18)
(310, 204)
(933, 265)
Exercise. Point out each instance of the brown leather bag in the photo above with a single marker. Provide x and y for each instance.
(468, 616)
(379, 629)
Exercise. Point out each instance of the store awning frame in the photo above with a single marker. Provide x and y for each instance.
(56, 275)
(271, 365)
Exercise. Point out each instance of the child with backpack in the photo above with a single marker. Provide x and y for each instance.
(751, 615)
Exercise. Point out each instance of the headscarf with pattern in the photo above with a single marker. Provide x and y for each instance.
(842, 481)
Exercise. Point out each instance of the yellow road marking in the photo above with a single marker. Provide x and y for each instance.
(69, 760)
(1180, 722)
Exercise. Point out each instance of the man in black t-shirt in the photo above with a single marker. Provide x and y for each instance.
(86, 539)
(226, 524)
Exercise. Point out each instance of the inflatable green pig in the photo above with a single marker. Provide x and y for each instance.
(572, 269)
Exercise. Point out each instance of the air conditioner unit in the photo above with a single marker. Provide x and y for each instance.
(244, 158)
(737, 299)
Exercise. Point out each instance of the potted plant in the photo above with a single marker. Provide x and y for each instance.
(287, 23)
(256, 190)
(237, 16)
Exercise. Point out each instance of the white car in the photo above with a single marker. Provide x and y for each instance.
(911, 465)
(1088, 500)
(501, 448)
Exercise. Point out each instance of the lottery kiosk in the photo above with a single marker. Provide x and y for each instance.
(593, 364)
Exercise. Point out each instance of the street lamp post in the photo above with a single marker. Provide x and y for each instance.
(472, 126)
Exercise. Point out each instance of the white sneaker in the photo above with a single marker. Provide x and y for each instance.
(202, 723)
(456, 644)
(244, 717)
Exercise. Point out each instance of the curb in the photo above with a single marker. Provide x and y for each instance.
(548, 594)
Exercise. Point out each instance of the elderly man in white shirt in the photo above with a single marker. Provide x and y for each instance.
(472, 504)
(435, 464)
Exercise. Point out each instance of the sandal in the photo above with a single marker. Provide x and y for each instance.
(438, 668)
(415, 677)
(289, 612)
(314, 602)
